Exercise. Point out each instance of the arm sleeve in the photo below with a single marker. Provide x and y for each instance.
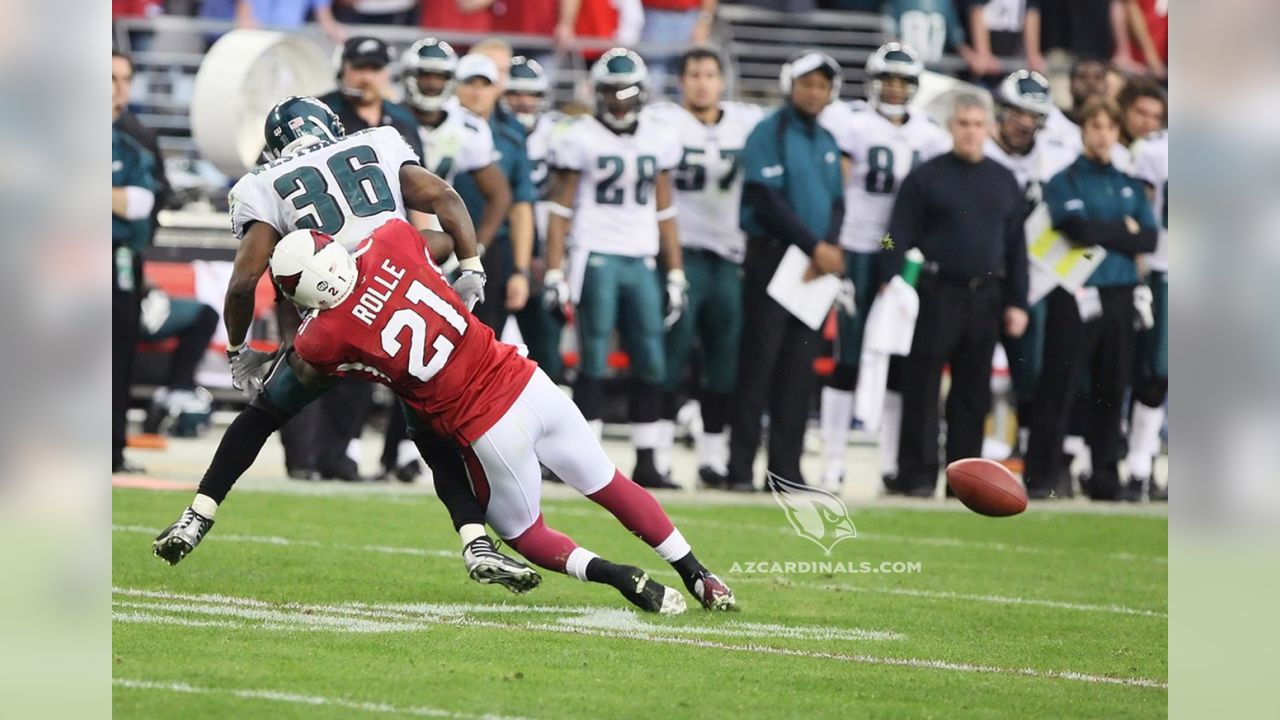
(904, 226)
(1015, 252)
(248, 206)
(777, 218)
(394, 148)
(563, 153)
(522, 189)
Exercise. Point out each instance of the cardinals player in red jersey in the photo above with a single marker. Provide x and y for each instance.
(385, 313)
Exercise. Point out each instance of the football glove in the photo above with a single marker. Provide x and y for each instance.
(248, 368)
(846, 299)
(1145, 319)
(470, 283)
(555, 291)
(677, 297)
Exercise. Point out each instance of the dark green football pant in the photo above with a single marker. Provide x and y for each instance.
(622, 293)
(714, 315)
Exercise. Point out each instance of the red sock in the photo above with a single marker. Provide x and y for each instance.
(544, 546)
(635, 508)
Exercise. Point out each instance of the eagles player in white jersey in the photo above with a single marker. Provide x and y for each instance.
(526, 98)
(708, 191)
(346, 187)
(1151, 382)
(1019, 143)
(882, 141)
(612, 204)
(454, 140)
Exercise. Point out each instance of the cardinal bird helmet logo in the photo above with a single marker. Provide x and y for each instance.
(814, 513)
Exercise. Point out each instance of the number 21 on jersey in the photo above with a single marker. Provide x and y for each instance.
(423, 364)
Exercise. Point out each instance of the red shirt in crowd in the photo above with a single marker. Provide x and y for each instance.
(532, 17)
(1156, 15)
(445, 15)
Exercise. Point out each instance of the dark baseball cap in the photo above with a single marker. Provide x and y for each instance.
(365, 50)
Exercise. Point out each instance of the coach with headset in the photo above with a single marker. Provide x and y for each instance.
(360, 100)
(793, 195)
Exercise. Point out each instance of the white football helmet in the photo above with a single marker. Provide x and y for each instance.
(1028, 91)
(892, 59)
(313, 270)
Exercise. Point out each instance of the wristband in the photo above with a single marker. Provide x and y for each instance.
(552, 276)
(667, 213)
(559, 210)
(472, 263)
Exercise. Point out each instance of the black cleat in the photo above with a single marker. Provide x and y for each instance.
(712, 479)
(651, 596)
(487, 566)
(181, 538)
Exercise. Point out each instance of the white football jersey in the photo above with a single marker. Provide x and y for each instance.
(345, 188)
(1033, 169)
(882, 155)
(708, 180)
(461, 143)
(1151, 165)
(1059, 130)
(538, 146)
(615, 211)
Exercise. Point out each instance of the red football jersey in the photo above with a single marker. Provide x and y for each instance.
(403, 326)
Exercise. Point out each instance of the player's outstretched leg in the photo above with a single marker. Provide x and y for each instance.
(554, 550)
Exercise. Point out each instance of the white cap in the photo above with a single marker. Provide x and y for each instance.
(475, 65)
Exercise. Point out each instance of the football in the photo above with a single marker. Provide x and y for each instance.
(986, 487)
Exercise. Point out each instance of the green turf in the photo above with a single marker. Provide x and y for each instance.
(1045, 593)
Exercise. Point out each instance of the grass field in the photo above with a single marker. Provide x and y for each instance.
(358, 606)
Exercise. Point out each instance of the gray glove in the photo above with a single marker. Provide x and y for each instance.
(470, 282)
(248, 368)
(846, 299)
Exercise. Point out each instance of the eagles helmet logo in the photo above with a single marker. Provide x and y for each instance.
(814, 513)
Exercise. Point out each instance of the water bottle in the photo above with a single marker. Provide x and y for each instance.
(913, 261)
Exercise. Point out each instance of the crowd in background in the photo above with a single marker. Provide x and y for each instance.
(1087, 371)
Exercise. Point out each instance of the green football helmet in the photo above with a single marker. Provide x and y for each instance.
(528, 81)
(619, 79)
(299, 121)
(434, 57)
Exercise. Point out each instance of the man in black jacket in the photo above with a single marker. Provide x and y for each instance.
(964, 211)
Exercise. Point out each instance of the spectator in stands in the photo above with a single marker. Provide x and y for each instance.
(364, 86)
(1088, 29)
(1148, 26)
(965, 212)
(507, 258)
(288, 15)
(931, 28)
(136, 8)
(461, 15)
(132, 198)
(793, 194)
(1090, 333)
(674, 22)
(619, 21)
(376, 12)
(1006, 28)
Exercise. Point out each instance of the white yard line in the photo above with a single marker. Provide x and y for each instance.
(948, 595)
(284, 542)
(298, 699)
(591, 622)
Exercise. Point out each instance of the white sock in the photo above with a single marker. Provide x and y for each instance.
(205, 505)
(673, 548)
(1144, 439)
(666, 442)
(837, 413)
(597, 428)
(470, 532)
(713, 451)
(890, 433)
(353, 451)
(406, 452)
(645, 436)
(577, 563)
